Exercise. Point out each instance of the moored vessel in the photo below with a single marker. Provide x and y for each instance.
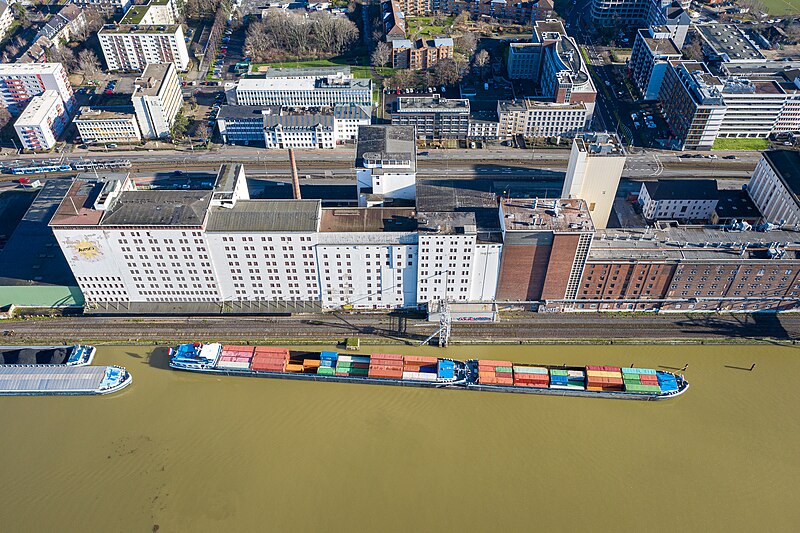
(425, 371)
(272, 362)
(78, 355)
(61, 380)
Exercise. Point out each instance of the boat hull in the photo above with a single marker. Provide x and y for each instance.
(582, 393)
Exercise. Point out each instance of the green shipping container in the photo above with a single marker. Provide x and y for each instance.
(325, 371)
(502, 369)
(557, 372)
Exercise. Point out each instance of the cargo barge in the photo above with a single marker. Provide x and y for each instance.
(271, 362)
(61, 380)
(423, 371)
(78, 355)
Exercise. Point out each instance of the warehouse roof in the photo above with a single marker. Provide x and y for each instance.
(729, 42)
(158, 208)
(266, 215)
(368, 219)
(558, 215)
(381, 143)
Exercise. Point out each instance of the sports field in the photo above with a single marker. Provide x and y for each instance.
(782, 7)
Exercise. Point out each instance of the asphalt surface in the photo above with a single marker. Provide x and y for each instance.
(395, 327)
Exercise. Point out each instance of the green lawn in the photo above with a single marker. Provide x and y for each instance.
(425, 27)
(358, 65)
(782, 7)
(740, 144)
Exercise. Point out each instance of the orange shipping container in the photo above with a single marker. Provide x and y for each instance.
(491, 362)
(272, 349)
(419, 360)
(386, 357)
(294, 368)
(311, 363)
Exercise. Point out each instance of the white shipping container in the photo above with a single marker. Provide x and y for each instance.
(575, 374)
(353, 359)
(419, 376)
(565, 387)
(235, 365)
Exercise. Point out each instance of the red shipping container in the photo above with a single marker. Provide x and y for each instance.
(492, 362)
(505, 381)
(420, 359)
(236, 348)
(272, 349)
(387, 357)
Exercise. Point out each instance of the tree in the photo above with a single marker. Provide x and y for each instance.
(5, 117)
(64, 55)
(446, 72)
(88, 63)
(461, 20)
(693, 49)
(467, 43)
(179, 127)
(381, 55)
(481, 61)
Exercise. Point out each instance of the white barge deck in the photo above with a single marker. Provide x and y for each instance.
(51, 380)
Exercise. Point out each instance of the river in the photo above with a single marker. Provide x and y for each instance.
(177, 451)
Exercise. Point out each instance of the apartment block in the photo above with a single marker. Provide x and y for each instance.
(131, 47)
(691, 102)
(653, 48)
(157, 99)
(19, 82)
(433, 117)
(422, 54)
(6, 18)
(99, 126)
(106, 6)
(42, 121)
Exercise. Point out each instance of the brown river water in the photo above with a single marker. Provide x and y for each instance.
(177, 451)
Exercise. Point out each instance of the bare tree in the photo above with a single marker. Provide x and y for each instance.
(88, 63)
(461, 20)
(5, 117)
(446, 72)
(64, 55)
(381, 55)
(481, 59)
(693, 49)
(467, 43)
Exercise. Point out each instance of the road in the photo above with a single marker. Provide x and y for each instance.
(395, 327)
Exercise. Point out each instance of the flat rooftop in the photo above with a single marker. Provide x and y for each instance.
(670, 242)
(265, 215)
(303, 72)
(382, 143)
(301, 84)
(151, 80)
(38, 108)
(87, 113)
(729, 42)
(599, 144)
(369, 220)
(21, 69)
(660, 47)
(76, 207)
(140, 29)
(446, 223)
(434, 104)
(682, 189)
(561, 215)
(736, 204)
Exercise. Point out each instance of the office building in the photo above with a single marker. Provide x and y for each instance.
(653, 48)
(131, 47)
(775, 187)
(434, 117)
(42, 121)
(157, 99)
(421, 54)
(595, 166)
(301, 88)
(565, 94)
(386, 164)
(276, 127)
(19, 82)
(644, 13)
(684, 200)
(99, 126)
(728, 43)
(691, 102)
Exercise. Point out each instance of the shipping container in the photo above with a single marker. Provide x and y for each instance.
(530, 370)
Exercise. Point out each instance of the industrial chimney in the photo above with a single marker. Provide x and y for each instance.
(295, 179)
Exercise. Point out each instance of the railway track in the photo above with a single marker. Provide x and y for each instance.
(391, 328)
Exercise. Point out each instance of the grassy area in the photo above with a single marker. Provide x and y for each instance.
(359, 66)
(425, 26)
(740, 144)
(782, 7)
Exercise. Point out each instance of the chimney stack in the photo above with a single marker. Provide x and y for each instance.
(295, 179)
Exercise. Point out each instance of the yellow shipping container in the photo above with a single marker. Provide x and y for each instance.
(294, 368)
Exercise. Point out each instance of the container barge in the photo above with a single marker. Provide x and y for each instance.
(423, 371)
(61, 380)
(78, 355)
